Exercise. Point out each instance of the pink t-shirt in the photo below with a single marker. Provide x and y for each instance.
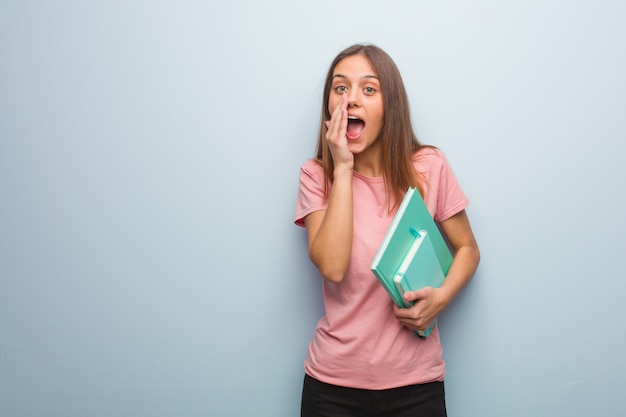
(359, 342)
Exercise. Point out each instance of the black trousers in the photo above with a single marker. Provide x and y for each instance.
(325, 400)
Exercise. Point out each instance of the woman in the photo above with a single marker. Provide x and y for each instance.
(365, 357)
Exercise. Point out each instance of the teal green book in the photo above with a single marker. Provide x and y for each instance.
(411, 218)
(420, 268)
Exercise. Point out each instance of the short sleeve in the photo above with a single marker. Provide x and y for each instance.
(443, 194)
(310, 192)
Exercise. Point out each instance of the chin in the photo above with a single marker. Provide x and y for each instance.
(357, 150)
(360, 145)
(355, 147)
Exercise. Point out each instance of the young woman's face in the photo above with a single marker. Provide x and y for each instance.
(355, 77)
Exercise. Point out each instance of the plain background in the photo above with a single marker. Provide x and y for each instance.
(149, 156)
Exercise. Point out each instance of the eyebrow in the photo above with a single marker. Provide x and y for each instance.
(363, 77)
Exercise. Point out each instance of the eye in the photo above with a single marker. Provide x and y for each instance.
(341, 89)
(369, 90)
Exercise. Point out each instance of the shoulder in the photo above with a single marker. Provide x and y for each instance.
(429, 158)
(311, 165)
(312, 171)
(443, 194)
(311, 190)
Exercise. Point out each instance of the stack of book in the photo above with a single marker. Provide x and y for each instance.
(413, 254)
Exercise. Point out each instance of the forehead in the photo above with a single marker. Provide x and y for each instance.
(354, 66)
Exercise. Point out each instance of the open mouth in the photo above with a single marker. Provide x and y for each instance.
(355, 127)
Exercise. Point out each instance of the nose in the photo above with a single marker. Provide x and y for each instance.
(353, 98)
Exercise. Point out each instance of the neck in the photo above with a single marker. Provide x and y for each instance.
(368, 164)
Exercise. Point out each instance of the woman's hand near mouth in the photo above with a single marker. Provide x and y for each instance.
(336, 136)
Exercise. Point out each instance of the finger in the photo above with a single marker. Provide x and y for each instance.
(343, 104)
(342, 117)
(339, 116)
(399, 311)
(337, 110)
(414, 295)
(406, 313)
(415, 322)
(332, 123)
(334, 132)
(343, 127)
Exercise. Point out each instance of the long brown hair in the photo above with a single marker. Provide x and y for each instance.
(399, 142)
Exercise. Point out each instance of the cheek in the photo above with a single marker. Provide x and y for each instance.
(379, 118)
(381, 115)
(333, 102)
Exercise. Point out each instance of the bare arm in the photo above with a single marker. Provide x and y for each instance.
(432, 301)
(330, 231)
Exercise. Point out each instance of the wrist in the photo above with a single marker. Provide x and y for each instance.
(446, 294)
(342, 171)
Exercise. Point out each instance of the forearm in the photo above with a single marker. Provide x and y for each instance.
(330, 246)
(461, 271)
(430, 302)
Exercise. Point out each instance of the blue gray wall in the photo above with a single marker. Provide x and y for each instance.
(149, 156)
